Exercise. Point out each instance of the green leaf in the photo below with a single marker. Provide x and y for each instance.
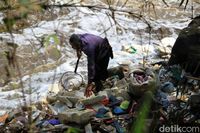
(24, 2)
(9, 22)
(140, 123)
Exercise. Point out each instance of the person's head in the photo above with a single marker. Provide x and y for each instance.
(75, 41)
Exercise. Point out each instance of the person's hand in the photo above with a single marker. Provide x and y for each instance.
(79, 53)
(89, 90)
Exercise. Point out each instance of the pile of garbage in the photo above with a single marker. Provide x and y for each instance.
(129, 94)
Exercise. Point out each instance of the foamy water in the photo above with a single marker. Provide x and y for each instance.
(133, 32)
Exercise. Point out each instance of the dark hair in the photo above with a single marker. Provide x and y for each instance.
(75, 40)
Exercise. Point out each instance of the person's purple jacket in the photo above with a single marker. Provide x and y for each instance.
(98, 51)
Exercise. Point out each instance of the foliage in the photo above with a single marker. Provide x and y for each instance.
(17, 10)
(73, 130)
(140, 124)
(181, 3)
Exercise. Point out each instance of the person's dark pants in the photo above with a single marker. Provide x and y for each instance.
(102, 60)
(101, 72)
(99, 86)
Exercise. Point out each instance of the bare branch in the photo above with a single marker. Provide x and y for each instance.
(125, 3)
(182, 1)
(165, 3)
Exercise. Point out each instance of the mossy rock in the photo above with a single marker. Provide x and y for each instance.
(51, 43)
(14, 96)
(12, 86)
(52, 39)
(53, 52)
(45, 68)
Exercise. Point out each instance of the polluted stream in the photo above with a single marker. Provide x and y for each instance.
(130, 40)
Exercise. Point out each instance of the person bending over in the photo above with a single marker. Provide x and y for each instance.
(99, 52)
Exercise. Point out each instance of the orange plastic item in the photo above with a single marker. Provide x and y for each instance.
(3, 118)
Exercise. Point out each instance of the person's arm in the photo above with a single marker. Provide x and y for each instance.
(79, 53)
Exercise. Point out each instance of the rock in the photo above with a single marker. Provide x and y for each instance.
(45, 67)
(64, 100)
(35, 115)
(16, 126)
(58, 107)
(116, 71)
(77, 116)
(88, 128)
(51, 98)
(53, 52)
(73, 96)
(186, 50)
(54, 88)
(92, 100)
(51, 43)
(119, 91)
(164, 48)
(22, 119)
(12, 86)
(14, 113)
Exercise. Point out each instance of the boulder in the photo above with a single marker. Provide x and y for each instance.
(186, 50)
